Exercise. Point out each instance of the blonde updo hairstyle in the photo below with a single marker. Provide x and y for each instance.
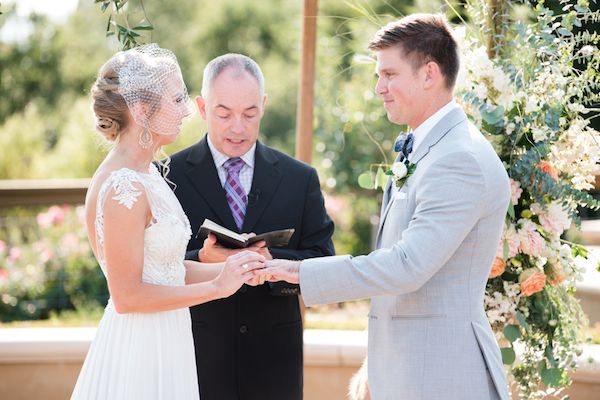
(110, 108)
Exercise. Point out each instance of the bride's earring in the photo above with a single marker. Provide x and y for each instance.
(145, 138)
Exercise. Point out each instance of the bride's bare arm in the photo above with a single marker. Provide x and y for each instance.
(124, 255)
(201, 272)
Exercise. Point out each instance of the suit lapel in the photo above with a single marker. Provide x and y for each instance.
(265, 181)
(445, 125)
(438, 132)
(202, 175)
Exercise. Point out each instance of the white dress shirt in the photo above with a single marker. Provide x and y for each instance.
(247, 171)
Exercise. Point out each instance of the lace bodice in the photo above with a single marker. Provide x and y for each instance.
(165, 240)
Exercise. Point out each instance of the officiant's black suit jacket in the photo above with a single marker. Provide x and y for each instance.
(249, 346)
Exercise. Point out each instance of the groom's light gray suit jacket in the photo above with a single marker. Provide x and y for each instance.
(429, 337)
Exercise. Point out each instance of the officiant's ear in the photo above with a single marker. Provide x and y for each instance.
(201, 106)
(264, 103)
(433, 75)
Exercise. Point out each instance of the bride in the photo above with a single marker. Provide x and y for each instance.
(143, 347)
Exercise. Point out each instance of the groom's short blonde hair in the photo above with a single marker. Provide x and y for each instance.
(422, 38)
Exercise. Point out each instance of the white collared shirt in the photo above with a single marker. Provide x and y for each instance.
(423, 130)
(247, 171)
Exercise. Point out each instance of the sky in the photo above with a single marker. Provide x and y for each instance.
(18, 27)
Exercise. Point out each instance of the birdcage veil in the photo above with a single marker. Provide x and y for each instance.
(151, 84)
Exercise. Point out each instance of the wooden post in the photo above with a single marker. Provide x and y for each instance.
(497, 20)
(306, 91)
(304, 113)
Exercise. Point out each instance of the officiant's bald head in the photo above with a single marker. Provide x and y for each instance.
(422, 38)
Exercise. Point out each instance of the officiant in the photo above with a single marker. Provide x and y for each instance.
(248, 346)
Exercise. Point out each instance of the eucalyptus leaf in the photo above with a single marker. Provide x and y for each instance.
(512, 333)
(494, 116)
(143, 28)
(521, 319)
(511, 209)
(380, 178)
(365, 180)
(508, 355)
(552, 377)
(549, 352)
(564, 32)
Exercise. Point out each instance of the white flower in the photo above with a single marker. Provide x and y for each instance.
(531, 105)
(539, 134)
(587, 50)
(576, 107)
(399, 170)
(481, 91)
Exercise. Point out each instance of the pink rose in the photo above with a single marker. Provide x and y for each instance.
(15, 253)
(553, 217)
(512, 239)
(43, 250)
(54, 216)
(498, 267)
(530, 241)
(71, 244)
(532, 281)
(515, 191)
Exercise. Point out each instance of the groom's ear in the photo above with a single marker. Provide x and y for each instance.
(432, 74)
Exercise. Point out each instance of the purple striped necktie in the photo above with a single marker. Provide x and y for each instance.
(234, 192)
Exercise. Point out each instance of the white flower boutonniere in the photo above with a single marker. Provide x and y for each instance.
(400, 172)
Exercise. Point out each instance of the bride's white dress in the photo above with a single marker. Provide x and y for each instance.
(144, 355)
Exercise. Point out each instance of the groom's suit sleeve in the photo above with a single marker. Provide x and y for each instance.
(448, 203)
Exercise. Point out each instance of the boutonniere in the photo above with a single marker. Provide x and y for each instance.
(401, 171)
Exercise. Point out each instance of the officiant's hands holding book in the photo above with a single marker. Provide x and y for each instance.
(212, 251)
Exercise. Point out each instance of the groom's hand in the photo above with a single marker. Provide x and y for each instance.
(281, 270)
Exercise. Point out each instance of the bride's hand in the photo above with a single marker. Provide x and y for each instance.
(238, 269)
(257, 280)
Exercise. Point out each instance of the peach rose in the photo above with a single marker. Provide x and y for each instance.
(498, 267)
(532, 281)
(546, 167)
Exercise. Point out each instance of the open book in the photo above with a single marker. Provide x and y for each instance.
(231, 239)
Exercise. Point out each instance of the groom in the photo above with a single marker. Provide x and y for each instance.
(429, 337)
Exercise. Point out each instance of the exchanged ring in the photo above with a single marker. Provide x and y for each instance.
(245, 266)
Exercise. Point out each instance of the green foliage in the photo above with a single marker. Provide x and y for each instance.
(46, 265)
(119, 25)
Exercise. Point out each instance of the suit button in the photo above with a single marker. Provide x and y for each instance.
(243, 329)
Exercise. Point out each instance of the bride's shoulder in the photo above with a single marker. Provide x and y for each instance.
(123, 185)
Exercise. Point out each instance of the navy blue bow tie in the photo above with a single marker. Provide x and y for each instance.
(404, 144)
